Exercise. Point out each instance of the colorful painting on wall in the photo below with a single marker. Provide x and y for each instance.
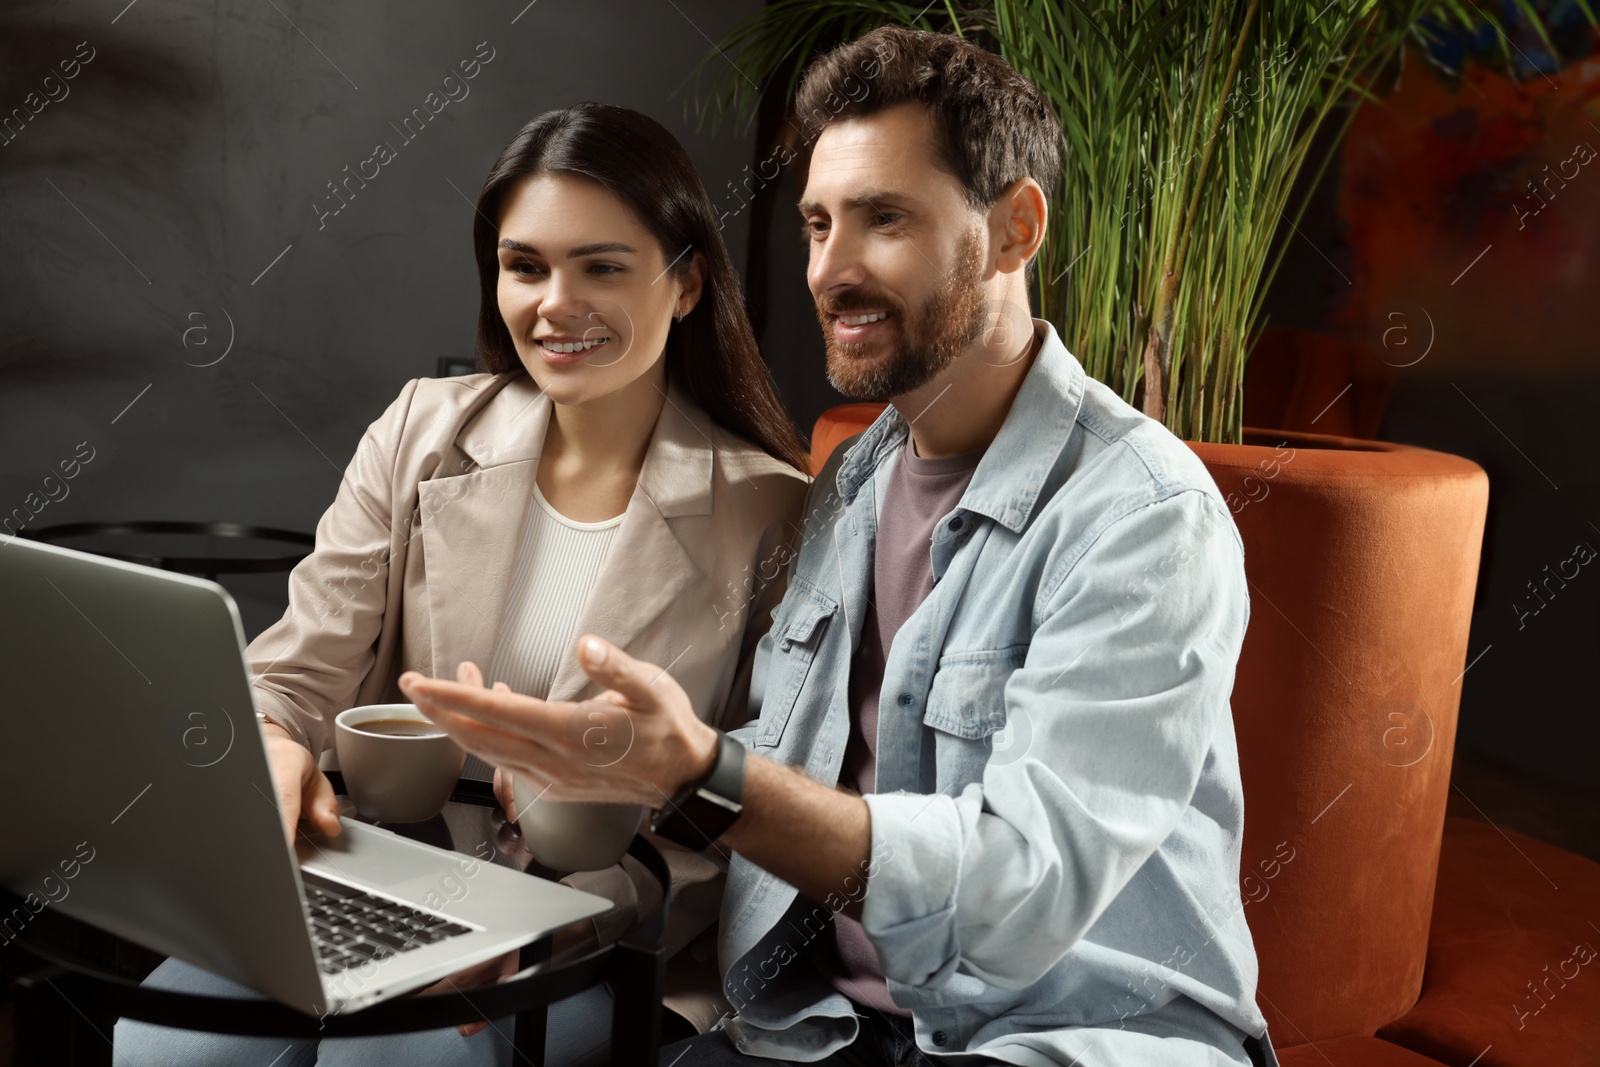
(1470, 205)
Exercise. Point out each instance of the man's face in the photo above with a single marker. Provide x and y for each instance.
(897, 255)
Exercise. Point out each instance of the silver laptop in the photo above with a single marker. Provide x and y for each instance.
(135, 796)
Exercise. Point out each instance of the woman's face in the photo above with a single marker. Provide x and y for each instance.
(584, 288)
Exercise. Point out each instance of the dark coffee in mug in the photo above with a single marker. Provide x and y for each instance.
(398, 728)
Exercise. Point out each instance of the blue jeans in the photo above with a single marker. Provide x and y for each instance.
(578, 1035)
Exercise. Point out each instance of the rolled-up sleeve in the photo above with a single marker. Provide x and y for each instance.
(1110, 718)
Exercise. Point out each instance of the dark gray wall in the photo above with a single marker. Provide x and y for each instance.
(156, 195)
(1527, 698)
(170, 187)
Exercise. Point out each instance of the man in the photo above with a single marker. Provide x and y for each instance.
(991, 805)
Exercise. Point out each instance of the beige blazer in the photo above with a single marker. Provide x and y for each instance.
(413, 564)
(415, 557)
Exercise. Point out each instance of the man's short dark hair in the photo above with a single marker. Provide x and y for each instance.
(992, 126)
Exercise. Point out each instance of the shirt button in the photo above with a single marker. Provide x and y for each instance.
(957, 522)
(905, 700)
(938, 1037)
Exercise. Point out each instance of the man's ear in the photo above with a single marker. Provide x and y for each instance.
(1017, 224)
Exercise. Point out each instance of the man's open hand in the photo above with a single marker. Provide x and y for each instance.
(635, 743)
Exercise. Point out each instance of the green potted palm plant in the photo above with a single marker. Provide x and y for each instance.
(1188, 123)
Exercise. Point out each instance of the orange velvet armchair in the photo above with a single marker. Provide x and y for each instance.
(1395, 935)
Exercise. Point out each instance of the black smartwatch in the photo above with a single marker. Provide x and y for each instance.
(703, 810)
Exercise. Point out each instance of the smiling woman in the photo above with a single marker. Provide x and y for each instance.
(587, 316)
(596, 153)
(621, 460)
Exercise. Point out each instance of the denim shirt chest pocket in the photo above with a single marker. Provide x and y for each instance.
(966, 711)
(796, 636)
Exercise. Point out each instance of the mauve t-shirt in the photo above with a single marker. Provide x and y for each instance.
(919, 494)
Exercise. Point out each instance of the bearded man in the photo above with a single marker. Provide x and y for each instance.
(987, 808)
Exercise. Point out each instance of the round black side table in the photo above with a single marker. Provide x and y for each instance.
(82, 985)
(172, 546)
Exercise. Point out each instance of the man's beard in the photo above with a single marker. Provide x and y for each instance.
(949, 321)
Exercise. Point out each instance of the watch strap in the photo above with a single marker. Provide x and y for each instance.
(703, 810)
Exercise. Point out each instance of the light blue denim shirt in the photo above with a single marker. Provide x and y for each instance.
(1055, 841)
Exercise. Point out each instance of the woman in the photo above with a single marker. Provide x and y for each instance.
(623, 467)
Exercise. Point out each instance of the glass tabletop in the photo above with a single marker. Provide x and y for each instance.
(190, 547)
(474, 827)
(167, 545)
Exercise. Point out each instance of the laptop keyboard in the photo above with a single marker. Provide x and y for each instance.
(351, 926)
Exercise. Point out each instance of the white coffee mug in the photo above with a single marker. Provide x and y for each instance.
(393, 777)
(567, 836)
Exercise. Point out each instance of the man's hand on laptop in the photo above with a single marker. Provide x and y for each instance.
(637, 742)
(301, 786)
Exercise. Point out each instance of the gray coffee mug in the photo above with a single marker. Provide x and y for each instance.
(568, 836)
(396, 778)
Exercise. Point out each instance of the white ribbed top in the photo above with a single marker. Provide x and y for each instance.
(557, 564)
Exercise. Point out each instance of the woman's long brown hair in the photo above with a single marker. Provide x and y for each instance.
(712, 353)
